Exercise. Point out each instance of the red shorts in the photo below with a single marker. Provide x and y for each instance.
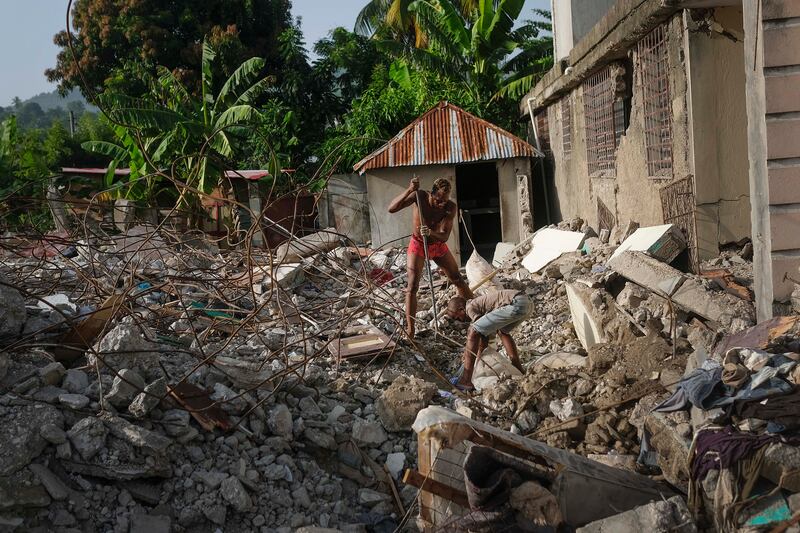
(435, 249)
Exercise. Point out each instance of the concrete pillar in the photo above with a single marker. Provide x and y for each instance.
(254, 201)
(772, 65)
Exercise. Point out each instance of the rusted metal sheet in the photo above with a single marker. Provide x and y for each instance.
(201, 407)
(727, 282)
(447, 134)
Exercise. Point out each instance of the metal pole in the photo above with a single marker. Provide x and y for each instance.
(428, 266)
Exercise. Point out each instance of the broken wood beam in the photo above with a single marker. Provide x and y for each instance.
(415, 479)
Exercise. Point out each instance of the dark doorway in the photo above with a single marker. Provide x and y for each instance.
(478, 197)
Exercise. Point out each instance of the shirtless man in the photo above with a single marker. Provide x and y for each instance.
(438, 212)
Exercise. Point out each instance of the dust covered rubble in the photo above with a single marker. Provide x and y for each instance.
(311, 435)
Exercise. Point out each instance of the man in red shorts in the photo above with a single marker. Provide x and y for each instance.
(438, 212)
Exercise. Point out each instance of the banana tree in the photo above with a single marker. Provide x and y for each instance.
(192, 137)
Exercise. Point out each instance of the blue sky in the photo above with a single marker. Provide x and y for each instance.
(27, 28)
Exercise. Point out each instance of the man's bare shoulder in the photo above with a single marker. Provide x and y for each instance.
(451, 208)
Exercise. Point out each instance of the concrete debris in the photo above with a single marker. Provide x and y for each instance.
(12, 311)
(661, 242)
(398, 405)
(223, 388)
(548, 245)
(296, 249)
(658, 517)
(88, 436)
(22, 438)
(127, 385)
(126, 346)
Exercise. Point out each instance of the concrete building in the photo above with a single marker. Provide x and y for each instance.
(489, 168)
(658, 113)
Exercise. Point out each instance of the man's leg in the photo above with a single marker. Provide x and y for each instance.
(447, 262)
(414, 265)
(476, 343)
(511, 350)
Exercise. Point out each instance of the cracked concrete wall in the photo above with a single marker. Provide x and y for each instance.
(709, 132)
(631, 195)
(719, 127)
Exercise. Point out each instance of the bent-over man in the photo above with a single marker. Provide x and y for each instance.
(494, 312)
(438, 212)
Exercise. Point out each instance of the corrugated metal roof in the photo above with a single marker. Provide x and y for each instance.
(447, 134)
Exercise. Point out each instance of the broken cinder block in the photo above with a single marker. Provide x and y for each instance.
(660, 242)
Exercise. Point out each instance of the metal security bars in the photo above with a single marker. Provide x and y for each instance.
(543, 130)
(653, 69)
(605, 122)
(566, 125)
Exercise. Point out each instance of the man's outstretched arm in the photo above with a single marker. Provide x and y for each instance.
(405, 198)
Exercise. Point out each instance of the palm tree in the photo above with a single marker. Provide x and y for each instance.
(393, 19)
(486, 53)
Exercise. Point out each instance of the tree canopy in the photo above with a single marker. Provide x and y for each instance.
(117, 40)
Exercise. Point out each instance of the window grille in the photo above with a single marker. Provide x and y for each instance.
(605, 122)
(653, 75)
(566, 125)
(543, 130)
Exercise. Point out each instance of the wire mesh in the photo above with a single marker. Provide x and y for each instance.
(605, 123)
(653, 69)
(566, 125)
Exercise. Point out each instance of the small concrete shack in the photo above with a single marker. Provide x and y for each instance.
(489, 168)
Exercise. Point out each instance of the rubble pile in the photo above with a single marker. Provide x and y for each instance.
(156, 383)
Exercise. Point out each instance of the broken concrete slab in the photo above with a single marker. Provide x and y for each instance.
(548, 244)
(296, 249)
(136, 435)
(52, 484)
(19, 491)
(144, 523)
(660, 242)
(671, 446)
(670, 516)
(127, 345)
(12, 310)
(685, 292)
(88, 436)
(501, 253)
(782, 465)
(22, 438)
(586, 319)
(561, 360)
(398, 405)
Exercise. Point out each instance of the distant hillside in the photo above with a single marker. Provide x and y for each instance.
(53, 100)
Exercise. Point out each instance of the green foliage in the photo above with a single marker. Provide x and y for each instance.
(192, 139)
(28, 158)
(117, 41)
(384, 109)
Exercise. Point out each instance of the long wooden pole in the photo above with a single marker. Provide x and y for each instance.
(428, 267)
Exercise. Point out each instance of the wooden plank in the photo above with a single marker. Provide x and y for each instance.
(426, 484)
